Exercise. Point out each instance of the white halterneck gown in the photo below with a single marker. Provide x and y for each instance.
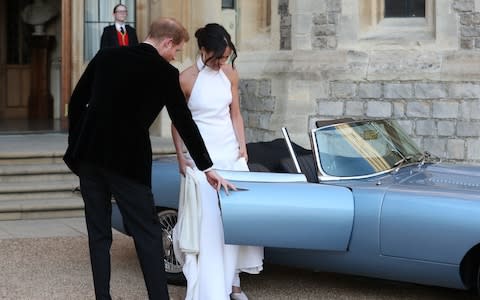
(218, 264)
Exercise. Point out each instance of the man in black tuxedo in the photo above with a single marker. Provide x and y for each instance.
(111, 109)
(119, 34)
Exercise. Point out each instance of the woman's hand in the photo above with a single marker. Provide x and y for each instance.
(183, 163)
(243, 152)
(217, 181)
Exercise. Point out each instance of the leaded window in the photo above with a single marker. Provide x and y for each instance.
(404, 8)
(228, 4)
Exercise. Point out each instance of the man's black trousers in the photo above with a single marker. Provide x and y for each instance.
(136, 205)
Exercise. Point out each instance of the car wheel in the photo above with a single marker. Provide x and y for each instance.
(173, 269)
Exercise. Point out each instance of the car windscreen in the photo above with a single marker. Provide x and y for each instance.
(363, 148)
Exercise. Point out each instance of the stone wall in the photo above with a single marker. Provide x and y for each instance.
(257, 105)
(429, 83)
(469, 23)
(442, 117)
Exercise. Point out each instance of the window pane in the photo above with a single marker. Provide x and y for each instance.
(93, 31)
(106, 10)
(91, 10)
(228, 4)
(130, 4)
(404, 8)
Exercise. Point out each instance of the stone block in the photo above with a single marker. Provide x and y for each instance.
(443, 109)
(466, 19)
(470, 110)
(259, 120)
(398, 90)
(463, 5)
(323, 30)
(319, 43)
(431, 90)
(406, 125)
(468, 129)
(464, 90)
(264, 121)
(264, 88)
(436, 146)
(333, 5)
(379, 109)
(475, 18)
(473, 149)
(320, 19)
(404, 64)
(332, 42)
(446, 128)
(398, 109)
(283, 7)
(248, 87)
(425, 127)
(354, 108)
(418, 109)
(470, 31)
(343, 89)
(370, 90)
(253, 120)
(468, 43)
(460, 65)
(330, 108)
(269, 104)
(248, 103)
(456, 149)
(332, 18)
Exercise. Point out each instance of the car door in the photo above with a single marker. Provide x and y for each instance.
(278, 210)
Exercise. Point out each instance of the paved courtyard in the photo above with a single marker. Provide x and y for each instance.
(48, 259)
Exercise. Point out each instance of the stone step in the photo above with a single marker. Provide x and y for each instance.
(41, 208)
(32, 190)
(35, 173)
(37, 178)
(37, 159)
(36, 183)
(33, 169)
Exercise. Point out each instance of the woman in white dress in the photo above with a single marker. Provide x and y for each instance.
(211, 89)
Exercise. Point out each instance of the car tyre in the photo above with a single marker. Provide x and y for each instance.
(173, 269)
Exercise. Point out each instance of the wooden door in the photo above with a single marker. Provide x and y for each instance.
(14, 61)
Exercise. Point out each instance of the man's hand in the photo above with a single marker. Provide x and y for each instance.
(217, 181)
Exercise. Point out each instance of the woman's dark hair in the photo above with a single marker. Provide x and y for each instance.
(214, 38)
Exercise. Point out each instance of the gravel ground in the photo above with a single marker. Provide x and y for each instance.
(59, 268)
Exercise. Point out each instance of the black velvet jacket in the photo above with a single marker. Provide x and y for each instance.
(113, 105)
(109, 37)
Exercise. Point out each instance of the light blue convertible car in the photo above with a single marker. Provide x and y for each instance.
(363, 201)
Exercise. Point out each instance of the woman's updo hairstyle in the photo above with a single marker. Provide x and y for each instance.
(214, 38)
